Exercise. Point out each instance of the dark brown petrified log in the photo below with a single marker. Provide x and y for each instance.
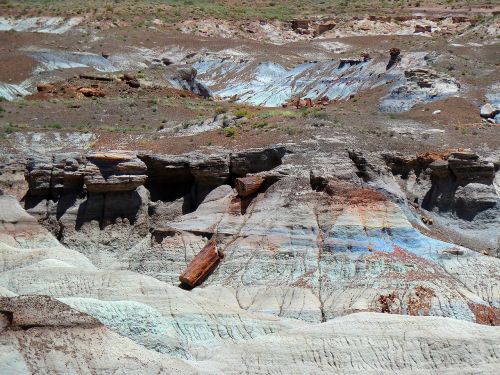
(202, 265)
(246, 186)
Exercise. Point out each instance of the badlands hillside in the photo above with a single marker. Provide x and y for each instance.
(249, 187)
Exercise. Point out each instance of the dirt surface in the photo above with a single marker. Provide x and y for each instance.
(147, 117)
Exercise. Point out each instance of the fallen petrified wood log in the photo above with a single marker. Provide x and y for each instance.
(93, 77)
(202, 265)
(246, 186)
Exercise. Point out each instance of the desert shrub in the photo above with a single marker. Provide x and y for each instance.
(260, 125)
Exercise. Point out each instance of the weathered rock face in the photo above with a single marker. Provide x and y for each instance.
(459, 170)
(193, 176)
(102, 202)
(106, 172)
(252, 161)
(456, 187)
(51, 176)
(12, 180)
(97, 173)
(466, 167)
(296, 256)
(420, 85)
(335, 249)
(474, 198)
(39, 332)
(352, 345)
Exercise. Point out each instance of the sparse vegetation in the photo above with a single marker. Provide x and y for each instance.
(260, 124)
(230, 132)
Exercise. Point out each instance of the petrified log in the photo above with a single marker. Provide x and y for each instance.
(93, 77)
(202, 265)
(246, 186)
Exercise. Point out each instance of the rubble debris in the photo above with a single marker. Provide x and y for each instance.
(298, 25)
(44, 87)
(422, 29)
(307, 102)
(131, 80)
(427, 220)
(322, 28)
(90, 92)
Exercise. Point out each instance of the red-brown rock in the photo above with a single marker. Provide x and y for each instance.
(202, 265)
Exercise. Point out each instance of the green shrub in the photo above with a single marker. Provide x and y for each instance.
(230, 132)
(241, 113)
(260, 125)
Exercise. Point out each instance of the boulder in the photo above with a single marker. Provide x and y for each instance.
(187, 74)
(129, 77)
(166, 61)
(185, 79)
(45, 87)
(134, 83)
(489, 111)
(90, 92)
(395, 57)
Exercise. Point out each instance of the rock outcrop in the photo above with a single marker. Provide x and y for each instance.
(420, 85)
(113, 171)
(12, 180)
(299, 255)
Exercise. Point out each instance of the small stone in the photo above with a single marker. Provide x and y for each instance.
(166, 61)
(436, 112)
(44, 87)
(134, 83)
